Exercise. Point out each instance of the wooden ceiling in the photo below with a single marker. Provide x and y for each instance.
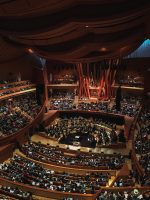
(74, 30)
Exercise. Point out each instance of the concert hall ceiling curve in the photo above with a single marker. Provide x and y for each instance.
(73, 30)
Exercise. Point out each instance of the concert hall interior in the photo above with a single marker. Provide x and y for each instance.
(75, 99)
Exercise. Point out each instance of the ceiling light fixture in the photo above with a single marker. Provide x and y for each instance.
(103, 49)
(30, 50)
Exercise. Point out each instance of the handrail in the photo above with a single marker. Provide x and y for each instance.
(22, 131)
(129, 188)
(103, 113)
(94, 112)
(16, 93)
(13, 83)
(63, 85)
(17, 87)
(128, 87)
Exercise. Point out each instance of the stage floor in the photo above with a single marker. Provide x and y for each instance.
(124, 151)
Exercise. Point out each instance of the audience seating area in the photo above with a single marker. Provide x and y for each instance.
(14, 193)
(125, 181)
(25, 171)
(64, 104)
(130, 106)
(132, 82)
(17, 112)
(28, 104)
(48, 154)
(57, 95)
(28, 167)
(124, 195)
(11, 121)
(64, 79)
(7, 87)
(142, 145)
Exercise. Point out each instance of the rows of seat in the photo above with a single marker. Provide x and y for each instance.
(22, 170)
(130, 106)
(142, 144)
(124, 181)
(48, 154)
(15, 193)
(16, 113)
(132, 194)
(13, 87)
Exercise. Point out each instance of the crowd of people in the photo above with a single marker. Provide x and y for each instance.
(48, 154)
(3, 93)
(15, 192)
(9, 88)
(28, 104)
(143, 131)
(4, 197)
(62, 104)
(100, 131)
(134, 194)
(57, 95)
(11, 121)
(22, 170)
(16, 113)
(132, 82)
(129, 106)
(125, 181)
(64, 79)
(63, 100)
(6, 84)
(142, 145)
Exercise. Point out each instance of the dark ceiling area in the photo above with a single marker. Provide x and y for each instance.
(73, 30)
